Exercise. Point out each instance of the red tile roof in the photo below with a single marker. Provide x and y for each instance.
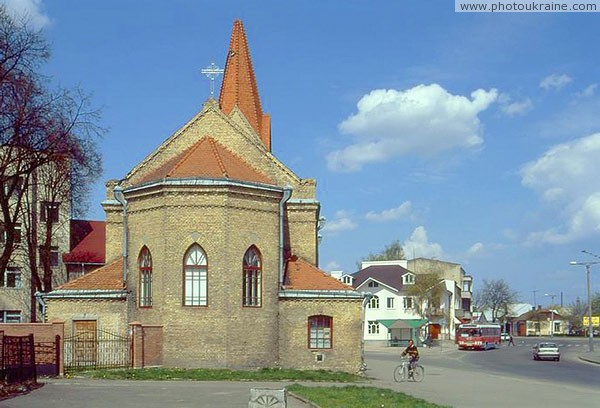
(302, 275)
(88, 242)
(108, 277)
(208, 158)
(239, 85)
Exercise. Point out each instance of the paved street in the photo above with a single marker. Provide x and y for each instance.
(506, 377)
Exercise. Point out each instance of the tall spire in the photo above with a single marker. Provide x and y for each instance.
(239, 85)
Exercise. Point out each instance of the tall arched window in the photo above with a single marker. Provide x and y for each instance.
(195, 270)
(145, 265)
(251, 278)
(374, 303)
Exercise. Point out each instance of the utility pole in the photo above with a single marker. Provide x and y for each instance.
(534, 300)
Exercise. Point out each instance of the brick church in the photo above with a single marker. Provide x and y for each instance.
(212, 246)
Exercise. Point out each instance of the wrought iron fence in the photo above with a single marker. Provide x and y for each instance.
(96, 349)
(18, 359)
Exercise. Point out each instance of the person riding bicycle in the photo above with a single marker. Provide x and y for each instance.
(413, 353)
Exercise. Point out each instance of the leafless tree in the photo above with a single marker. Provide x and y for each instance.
(47, 154)
(391, 252)
(496, 296)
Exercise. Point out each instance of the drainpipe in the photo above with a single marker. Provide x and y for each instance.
(287, 193)
(366, 299)
(120, 197)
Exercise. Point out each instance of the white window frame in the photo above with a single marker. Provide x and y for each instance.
(390, 303)
(408, 302)
(373, 327)
(13, 270)
(374, 302)
(195, 277)
(10, 316)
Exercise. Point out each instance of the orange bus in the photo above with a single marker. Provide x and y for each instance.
(478, 336)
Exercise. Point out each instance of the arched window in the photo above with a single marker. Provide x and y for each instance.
(251, 278)
(145, 265)
(195, 271)
(374, 303)
(320, 332)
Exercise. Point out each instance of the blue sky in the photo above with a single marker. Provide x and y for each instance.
(473, 138)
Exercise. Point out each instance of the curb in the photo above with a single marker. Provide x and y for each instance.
(589, 359)
(304, 400)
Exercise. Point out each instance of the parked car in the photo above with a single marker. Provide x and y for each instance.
(546, 351)
(505, 337)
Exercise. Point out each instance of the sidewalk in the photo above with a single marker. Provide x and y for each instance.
(590, 357)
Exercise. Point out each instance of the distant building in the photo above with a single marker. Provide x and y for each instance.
(540, 322)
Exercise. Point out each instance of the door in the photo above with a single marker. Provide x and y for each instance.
(85, 346)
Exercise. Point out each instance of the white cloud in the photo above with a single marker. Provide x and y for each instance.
(28, 10)
(418, 245)
(514, 108)
(332, 266)
(342, 222)
(401, 212)
(566, 177)
(425, 121)
(588, 92)
(475, 248)
(555, 81)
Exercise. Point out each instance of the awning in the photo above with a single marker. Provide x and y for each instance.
(403, 323)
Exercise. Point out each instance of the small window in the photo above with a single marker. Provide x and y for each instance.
(195, 272)
(373, 327)
(53, 255)
(10, 316)
(49, 211)
(373, 284)
(390, 303)
(145, 266)
(374, 302)
(408, 279)
(408, 302)
(320, 332)
(347, 280)
(12, 277)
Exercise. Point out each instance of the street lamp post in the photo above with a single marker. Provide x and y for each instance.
(552, 296)
(588, 267)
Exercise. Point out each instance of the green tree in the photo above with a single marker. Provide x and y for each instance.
(595, 304)
(577, 310)
(392, 252)
(427, 292)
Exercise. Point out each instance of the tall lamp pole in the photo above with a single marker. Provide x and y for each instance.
(552, 296)
(588, 267)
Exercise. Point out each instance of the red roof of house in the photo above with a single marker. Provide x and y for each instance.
(108, 277)
(239, 85)
(302, 275)
(88, 242)
(208, 158)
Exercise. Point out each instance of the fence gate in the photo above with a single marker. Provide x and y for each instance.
(89, 349)
(18, 359)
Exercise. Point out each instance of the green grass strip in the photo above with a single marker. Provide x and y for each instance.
(265, 374)
(353, 396)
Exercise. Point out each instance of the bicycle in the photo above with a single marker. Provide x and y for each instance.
(403, 373)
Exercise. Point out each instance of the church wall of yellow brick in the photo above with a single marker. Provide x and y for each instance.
(345, 353)
(225, 222)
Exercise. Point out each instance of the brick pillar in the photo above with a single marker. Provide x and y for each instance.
(58, 329)
(137, 344)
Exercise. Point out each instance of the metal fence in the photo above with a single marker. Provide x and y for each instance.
(96, 349)
(18, 359)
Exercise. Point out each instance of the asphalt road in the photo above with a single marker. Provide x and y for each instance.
(507, 377)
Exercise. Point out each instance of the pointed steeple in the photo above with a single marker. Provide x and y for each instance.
(239, 85)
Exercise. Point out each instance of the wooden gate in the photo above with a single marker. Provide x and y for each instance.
(90, 348)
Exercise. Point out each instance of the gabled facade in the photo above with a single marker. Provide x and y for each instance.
(219, 246)
(540, 322)
(391, 316)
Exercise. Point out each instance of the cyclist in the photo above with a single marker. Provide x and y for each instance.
(413, 353)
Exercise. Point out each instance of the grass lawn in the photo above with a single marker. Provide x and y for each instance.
(353, 396)
(265, 374)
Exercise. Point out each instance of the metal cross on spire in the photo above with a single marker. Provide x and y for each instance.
(211, 72)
